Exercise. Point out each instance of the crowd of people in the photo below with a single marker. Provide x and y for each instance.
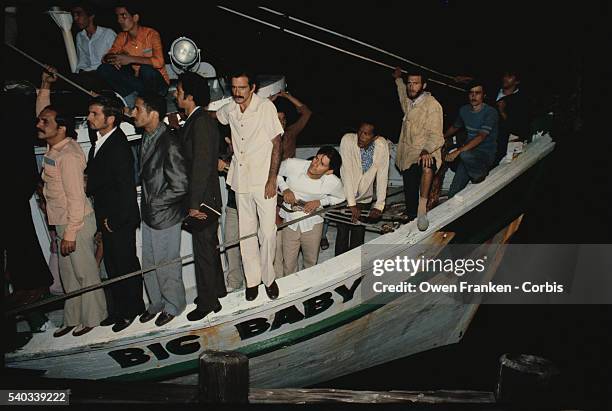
(178, 169)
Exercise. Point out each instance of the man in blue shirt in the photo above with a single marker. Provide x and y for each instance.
(475, 157)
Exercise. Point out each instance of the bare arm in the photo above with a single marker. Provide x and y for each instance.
(270, 190)
(276, 158)
(43, 98)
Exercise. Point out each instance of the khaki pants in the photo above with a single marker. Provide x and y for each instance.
(257, 215)
(235, 278)
(308, 241)
(79, 269)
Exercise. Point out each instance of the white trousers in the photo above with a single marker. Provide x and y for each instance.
(257, 214)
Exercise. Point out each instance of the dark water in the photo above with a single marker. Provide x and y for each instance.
(551, 44)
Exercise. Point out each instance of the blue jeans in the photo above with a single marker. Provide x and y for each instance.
(164, 285)
(125, 82)
(471, 165)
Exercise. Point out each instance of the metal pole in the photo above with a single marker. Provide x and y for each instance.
(67, 80)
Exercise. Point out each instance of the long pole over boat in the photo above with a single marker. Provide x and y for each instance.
(278, 13)
(44, 66)
(322, 43)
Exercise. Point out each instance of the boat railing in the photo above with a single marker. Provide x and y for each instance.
(224, 245)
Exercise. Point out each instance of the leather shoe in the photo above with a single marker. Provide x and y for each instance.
(146, 317)
(108, 321)
(272, 290)
(63, 331)
(251, 293)
(324, 243)
(198, 314)
(82, 331)
(122, 324)
(164, 318)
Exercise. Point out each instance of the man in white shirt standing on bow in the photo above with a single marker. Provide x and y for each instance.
(256, 141)
(306, 186)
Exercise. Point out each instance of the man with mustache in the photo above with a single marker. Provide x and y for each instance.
(135, 63)
(256, 141)
(420, 141)
(70, 211)
(476, 156)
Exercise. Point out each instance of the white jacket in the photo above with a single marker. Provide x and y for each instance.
(359, 185)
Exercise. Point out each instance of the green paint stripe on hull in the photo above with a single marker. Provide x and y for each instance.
(260, 348)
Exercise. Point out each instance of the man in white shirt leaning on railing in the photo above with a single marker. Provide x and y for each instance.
(306, 186)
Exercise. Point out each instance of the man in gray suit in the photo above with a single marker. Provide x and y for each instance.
(164, 185)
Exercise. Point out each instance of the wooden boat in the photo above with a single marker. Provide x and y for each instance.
(323, 325)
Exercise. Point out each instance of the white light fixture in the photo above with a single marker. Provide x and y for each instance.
(184, 55)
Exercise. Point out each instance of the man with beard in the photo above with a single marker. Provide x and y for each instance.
(110, 182)
(200, 140)
(135, 63)
(476, 156)
(92, 43)
(164, 185)
(256, 141)
(420, 141)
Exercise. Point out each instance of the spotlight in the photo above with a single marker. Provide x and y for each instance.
(184, 55)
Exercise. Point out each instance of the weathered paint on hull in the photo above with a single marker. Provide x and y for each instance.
(317, 332)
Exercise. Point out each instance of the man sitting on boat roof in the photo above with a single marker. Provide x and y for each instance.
(306, 186)
(92, 43)
(365, 160)
(475, 157)
(135, 63)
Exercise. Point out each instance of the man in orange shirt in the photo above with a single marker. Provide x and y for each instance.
(135, 63)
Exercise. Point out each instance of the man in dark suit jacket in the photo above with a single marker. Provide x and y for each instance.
(164, 185)
(200, 137)
(110, 181)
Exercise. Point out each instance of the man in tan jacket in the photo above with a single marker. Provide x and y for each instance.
(365, 160)
(420, 143)
(70, 211)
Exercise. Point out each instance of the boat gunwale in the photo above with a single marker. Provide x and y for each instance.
(405, 235)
